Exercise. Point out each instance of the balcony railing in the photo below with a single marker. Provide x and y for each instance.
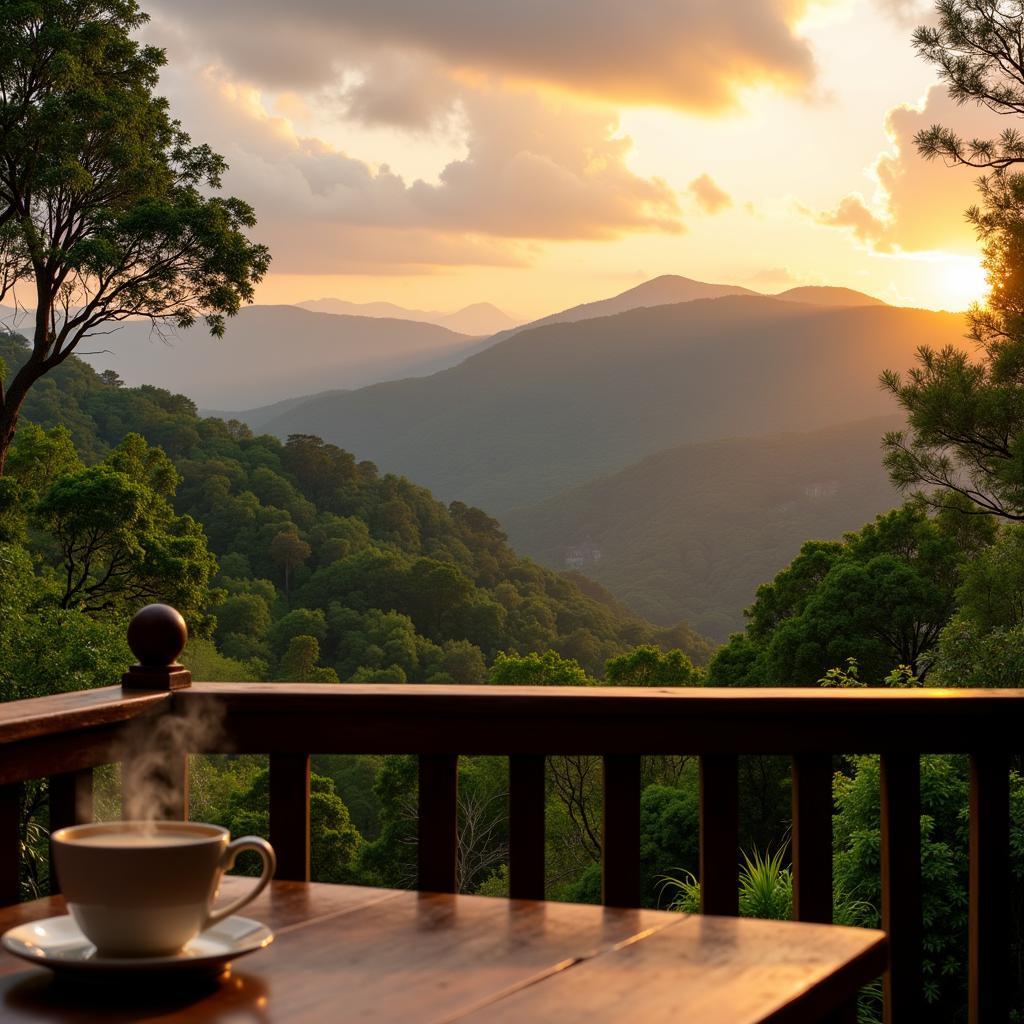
(64, 737)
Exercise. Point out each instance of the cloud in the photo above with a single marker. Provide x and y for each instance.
(710, 198)
(413, 93)
(853, 213)
(536, 170)
(533, 170)
(681, 53)
(919, 205)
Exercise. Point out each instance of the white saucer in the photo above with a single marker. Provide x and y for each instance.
(58, 943)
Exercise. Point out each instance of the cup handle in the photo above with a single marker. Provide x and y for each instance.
(266, 851)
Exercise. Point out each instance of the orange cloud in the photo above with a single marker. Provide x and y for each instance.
(919, 205)
(533, 170)
(710, 198)
(682, 53)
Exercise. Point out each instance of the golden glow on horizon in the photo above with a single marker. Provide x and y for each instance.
(782, 161)
(964, 284)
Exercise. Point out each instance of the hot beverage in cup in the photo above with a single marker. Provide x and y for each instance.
(139, 889)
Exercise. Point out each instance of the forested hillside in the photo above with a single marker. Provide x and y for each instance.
(693, 531)
(327, 568)
(559, 405)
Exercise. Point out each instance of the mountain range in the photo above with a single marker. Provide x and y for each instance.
(676, 442)
(272, 353)
(692, 531)
(669, 289)
(557, 405)
(478, 319)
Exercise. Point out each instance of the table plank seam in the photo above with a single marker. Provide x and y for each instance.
(560, 968)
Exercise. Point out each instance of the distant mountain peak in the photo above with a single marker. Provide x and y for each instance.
(477, 319)
(827, 295)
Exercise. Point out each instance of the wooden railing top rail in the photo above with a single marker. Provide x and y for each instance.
(69, 712)
(386, 717)
(390, 717)
(614, 699)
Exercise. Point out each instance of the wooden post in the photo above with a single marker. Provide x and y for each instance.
(157, 635)
(719, 835)
(989, 924)
(812, 838)
(289, 815)
(70, 804)
(526, 839)
(438, 823)
(620, 831)
(901, 886)
(10, 843)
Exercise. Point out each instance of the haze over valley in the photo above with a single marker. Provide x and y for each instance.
(676, 442)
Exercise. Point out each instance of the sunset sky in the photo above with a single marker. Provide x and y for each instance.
(537, 154)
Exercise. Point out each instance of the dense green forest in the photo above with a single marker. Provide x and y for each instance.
(291, 560)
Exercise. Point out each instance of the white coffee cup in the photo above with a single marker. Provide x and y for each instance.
(144, 889)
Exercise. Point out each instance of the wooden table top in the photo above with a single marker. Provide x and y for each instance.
(344, 953)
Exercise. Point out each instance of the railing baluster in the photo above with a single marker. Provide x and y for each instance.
(289, 815)
(70, 804)
(989, 927)
(620, 831)
(719, 834)
(812, 838)
(526, 826)
(901, 885)
(438, 823)
(10, 843)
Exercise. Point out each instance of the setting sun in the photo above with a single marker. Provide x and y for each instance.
(964, 284)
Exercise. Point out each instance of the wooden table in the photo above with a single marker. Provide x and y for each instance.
(344, 953)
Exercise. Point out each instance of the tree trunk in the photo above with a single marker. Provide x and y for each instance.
(8, 425)
(11, 401)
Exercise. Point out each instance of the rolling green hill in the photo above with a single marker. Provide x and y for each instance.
(558, 405)
(388, 581)
(691, 532)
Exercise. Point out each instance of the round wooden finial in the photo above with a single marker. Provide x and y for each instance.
(157, 635)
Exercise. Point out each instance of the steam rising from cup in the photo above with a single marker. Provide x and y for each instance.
(154, 759)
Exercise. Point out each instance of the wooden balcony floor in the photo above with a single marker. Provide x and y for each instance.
(344, 953)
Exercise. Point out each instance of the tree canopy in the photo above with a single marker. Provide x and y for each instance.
(882, 596)
(105, 205)
(965, 412)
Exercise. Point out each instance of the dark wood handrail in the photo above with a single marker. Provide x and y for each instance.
(82, 709)
(64, 736)
(390, 717)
